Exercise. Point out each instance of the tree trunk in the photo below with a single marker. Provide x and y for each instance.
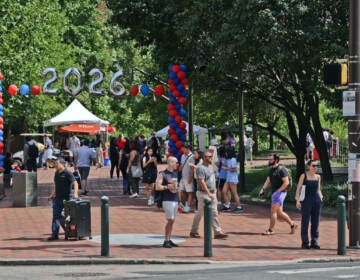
(271, 141)
(255, 138)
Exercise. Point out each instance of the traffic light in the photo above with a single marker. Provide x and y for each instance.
(336, 74)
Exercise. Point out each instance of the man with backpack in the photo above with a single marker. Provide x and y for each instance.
(279, 178)
(31, 153)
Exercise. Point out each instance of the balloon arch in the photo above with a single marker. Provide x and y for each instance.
(178, 92)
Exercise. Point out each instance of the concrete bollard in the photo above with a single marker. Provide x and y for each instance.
(341, 226)
(105, 226)
(207, 228)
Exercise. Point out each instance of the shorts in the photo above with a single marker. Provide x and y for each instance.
(184, 186)
(170, 209)
(221, 183)
(278, 198)
(84, 172)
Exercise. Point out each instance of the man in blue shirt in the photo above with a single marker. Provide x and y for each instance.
(85, 157)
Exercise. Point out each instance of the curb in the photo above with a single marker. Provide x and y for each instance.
(123, 261)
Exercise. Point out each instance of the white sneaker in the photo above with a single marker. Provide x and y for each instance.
(134, 195)
(186, 209)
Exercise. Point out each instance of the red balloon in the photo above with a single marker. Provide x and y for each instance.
(173, 113)
(184, 130)
(178, 119)
(1, 101)
(181, 75)
(185, 81)
(134, 90)
(159, 90)
(172, 87)
(1, 76)
(13, 89)
(1, 95)
(171, 131)
(176, 93)
(182, 125)
(174, 138)
(176, 68)
(179, 144)
(35, 90)
(182, 100)
(1, 145)
(1, 127)
(170, 107)
(2, 151)
(1, 120)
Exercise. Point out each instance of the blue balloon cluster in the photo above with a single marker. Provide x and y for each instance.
(1, 130)
(177, 97)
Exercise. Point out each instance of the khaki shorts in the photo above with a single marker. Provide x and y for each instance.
(170, 209)
(184, 186)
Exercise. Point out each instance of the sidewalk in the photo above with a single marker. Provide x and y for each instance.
(23, 231)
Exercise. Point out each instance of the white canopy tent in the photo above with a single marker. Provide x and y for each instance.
(75, 113)
(198, 130)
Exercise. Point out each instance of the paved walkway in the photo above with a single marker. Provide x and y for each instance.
(23, 231)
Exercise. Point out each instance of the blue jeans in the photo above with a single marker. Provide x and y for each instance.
(58, 206)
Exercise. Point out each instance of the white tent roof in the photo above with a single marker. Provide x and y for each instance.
(197, 130)
(75, 113)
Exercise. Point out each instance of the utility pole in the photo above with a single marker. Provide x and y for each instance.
(354, 124)
(241, 185)
(190, 115)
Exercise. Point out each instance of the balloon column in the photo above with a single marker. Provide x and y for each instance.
(1, 125)
(177, 98)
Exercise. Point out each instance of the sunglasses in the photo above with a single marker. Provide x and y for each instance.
(315, 165)
(208, 156)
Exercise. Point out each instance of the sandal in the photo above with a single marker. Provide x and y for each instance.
(293, 228)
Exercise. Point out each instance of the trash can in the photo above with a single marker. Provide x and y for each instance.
(24, 190)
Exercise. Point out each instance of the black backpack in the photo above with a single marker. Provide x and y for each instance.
(33, 151)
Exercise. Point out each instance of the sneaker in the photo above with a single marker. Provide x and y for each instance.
(238, 209)
(315, 246)
(219, 203)
(293, 228)
(186, 209)
(220, 236)
(85, 193)
(173, 244)
(167, 244)
(52, 238)
(269, 232)
(194, 235)
(226, 209)
(134, 195)
(305, 246)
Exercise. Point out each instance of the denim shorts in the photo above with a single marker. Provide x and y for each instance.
(278, 198)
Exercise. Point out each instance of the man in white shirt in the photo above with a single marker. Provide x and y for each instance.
(74, 144)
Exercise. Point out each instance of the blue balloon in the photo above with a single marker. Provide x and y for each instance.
(176, 80)
(178, 131)
(182, 112)
(175, 126)
(181, 87)
(170, 119)
(1, 133)
(144, 89)
(170, 67)
(1, 114)
(1, 139)
(174, 150)
(24, 90)
(173, 100)
(184, 93)
(1, 107)
(183, 138)
(171, 144)
(173, 75)
(170, 93)
(0, 88)
(183, 68)
(178, 107)
(1, 157)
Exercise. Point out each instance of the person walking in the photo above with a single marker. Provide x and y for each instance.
(249, 143)
(279, 180)
(222, 173)
(134, 160)
(150, 173)
(31, 153)
(187, 175)
(63, 180)
(206, 189)
(99, 154)
(124, 161)
(166, 182)
(232, 180)
(114, 155)
(85, 157)
(48, 151)
(310, 204)
(74, 145)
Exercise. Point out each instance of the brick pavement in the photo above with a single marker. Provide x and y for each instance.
(23, 231)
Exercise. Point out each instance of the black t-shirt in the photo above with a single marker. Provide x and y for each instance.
(168, 195)
(63, 181)
(276, 175)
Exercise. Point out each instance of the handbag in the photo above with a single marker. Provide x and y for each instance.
(302, 193)
(136, 170)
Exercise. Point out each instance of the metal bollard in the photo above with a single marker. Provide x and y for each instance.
(105, 226)
(207, 228)
(341, 225)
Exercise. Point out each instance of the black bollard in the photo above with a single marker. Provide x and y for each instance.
(105, 226)
(341, 226)
(207, 228)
